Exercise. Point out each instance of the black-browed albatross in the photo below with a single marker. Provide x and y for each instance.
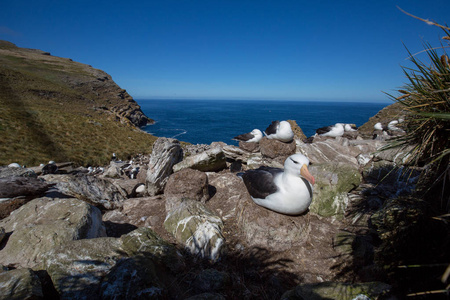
(287, 191)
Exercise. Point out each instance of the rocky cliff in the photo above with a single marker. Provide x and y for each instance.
(41, 96)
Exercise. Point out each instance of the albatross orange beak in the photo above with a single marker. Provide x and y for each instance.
(305, 173)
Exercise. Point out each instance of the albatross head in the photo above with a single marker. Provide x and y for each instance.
(297, 164)
(257, 133)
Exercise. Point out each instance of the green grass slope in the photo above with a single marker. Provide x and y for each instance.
(52, 108)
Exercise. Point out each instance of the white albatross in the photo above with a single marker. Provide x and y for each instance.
(281, 131)
(333, 131)
(350, 127)
(287, 191)
(251, 137)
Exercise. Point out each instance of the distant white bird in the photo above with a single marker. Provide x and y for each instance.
(379, 126)
(350, 127)
(281, 131)
(251, 137)
(14, 165)
(333, 131)
(392, 126)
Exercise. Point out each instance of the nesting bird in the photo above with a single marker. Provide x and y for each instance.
(251, 137)
(287, 191)
(281, 131)
(332, 131)
(350, 127)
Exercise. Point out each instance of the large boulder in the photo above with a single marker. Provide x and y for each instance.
(165, 154)
(20, 284)
(77, 267)
(228, 195)
(138, 212)
(6, 172)
(30, 187)
(197, 228)
(353, 152)
(210, 160)
(251, 147)
(136, 277)
(186, 184)
(333, 183)
(269, 230)
(44, 223)
(274, 148)
(98, 191)
(112, 268)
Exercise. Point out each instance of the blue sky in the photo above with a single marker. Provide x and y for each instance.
(243, 49)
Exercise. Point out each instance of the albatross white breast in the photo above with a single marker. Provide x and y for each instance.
(281, 131)
(333, 131)
(254, 136)
(287, 191)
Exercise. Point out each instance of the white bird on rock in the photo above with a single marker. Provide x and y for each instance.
(393, 126)
(251, 137)
(287, 191)
(281, 131)
(350, 127)
(379, 126)
(333, 131)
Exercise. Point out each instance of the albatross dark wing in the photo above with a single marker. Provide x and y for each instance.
(244, 137)
(260, 182)
(323, 130)
(272, 129)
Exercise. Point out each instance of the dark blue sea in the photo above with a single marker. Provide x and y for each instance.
(207, 121)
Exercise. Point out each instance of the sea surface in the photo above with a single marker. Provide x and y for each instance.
(207, 121)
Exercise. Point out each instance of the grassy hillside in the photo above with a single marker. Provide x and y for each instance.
(52, 108)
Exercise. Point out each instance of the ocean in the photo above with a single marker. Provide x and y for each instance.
(207, 121)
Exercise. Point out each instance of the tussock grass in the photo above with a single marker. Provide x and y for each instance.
(414, 231)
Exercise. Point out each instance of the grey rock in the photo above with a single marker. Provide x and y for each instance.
(140, 212)
(44, 223)
(113, 171)
(101, 266)
(274, 148)
(133, 278)
(208, 161)
(77, 267)
(22, 186)
(20, 284)
(186, 184)
(266, 229)
(250, 147)
(6, 172)
(165, 154)
(333, 183)
(197, 228)
(236, 153)
(97, 191)
(229, 195)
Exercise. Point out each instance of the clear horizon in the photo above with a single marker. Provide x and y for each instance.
(284, 50)
(387, 101)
